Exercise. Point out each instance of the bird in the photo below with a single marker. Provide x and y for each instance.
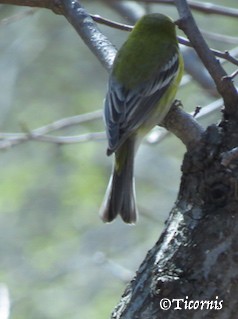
(142, 85)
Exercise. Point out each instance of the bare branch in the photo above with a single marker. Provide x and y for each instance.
(195, 68)
(40, 134)
(105, 52)
(56, 6)
(183, 125)
(116, 25)
(158, 134)
(89, 32)
(10, 140)
(92, 136)
(124, 27)
(231, 76)
(177, 121)
(68, 122)
(210, 8)
(223, 55)
(204, 7)
(225, 88)
(106, 59)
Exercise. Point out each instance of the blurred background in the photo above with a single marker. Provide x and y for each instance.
(57, 259)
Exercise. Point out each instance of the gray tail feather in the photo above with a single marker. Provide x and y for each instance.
(120, 194)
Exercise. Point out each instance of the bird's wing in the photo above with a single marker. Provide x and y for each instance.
(125, 110)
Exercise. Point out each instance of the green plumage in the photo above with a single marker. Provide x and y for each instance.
(145, 76)
(149, 46)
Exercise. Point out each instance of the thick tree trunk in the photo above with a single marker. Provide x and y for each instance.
(192, 271)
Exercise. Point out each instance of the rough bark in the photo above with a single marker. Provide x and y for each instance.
(192, 269)
(196, 258)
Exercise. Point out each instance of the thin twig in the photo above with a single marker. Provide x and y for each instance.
(116, 25)
(68, 122)
(7, 141)
(223, 55)
(92, 136)
(125, 27)
(105, 52)
(188, 25)
(57, 6)
(10, 139)
(95, 35)
(204, 7)
(231, 76)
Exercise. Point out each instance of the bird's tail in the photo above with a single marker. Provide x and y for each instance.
(120, 194)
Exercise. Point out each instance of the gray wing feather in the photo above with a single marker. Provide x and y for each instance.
(125, 110)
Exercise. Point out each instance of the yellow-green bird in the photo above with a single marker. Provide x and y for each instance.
(144, 79)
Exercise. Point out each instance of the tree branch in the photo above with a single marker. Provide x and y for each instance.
(180, 123)
(183, 125)
(116, 25)
(158, 134)
(204, 7)
(10, 140)
(124, 27)
(57, 7)
(223, 55)
(225, 88)
(89, 32)
(41, 134)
